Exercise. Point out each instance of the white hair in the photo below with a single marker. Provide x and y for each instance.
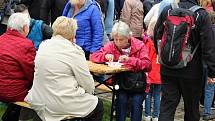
(17, 21)
(122, 29)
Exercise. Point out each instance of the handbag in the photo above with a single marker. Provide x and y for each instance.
(132, 81)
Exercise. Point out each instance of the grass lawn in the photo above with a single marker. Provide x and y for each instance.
(106, 117)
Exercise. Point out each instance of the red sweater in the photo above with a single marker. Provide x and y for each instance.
(17, 55)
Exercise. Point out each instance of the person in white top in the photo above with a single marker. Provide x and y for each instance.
(63, 85)
(152, 16)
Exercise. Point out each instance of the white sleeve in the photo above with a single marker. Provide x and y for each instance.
(81, 71)
(150, 14)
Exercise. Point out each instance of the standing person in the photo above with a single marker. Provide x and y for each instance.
(187, 81)
(16, 63)
(118, 8)
(51, 9)
(33, 7)
(134, 56)
(207, 5)
(152, 16)
(109, 17)
(63, 85)
(5, 12)
(132, 14)
(90, 31)
(155, 84)
(209, 86)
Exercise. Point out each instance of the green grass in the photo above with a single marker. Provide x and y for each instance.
(2, 109)
(106, 116)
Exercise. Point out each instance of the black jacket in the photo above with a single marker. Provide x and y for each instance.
(51, 9)
(33, 7)
(206, 51)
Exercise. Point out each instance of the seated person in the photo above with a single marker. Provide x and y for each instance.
(63, 85)
(134, 55)
(39, 31)
(16, 60)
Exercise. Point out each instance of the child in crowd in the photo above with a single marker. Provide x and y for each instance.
(155, 81)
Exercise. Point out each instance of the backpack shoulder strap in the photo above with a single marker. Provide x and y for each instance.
(195, 8)
(174, 5)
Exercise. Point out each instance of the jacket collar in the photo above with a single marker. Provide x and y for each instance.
(136, 45)
(15, 33)
(70, 7)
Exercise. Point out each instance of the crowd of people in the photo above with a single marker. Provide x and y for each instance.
(45, 46)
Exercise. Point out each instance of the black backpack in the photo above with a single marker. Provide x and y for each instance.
(175, 50)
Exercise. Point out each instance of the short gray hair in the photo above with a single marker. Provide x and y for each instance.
(122, 29)
(17, 21)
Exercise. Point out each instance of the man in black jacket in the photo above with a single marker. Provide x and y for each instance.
(187, 81)
(51, 9)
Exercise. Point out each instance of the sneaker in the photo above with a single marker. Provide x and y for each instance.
(202, 106)
(209, 117)
(201, 114)
(147, 118)
(154, 119)
(213, 107)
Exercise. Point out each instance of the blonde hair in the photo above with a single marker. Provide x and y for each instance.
(122, 29)
(212, 16)
(74, 1)
(66, 27)
(204, 3)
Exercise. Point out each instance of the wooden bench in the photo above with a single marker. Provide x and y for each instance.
(26, 105)
(23, 104)
(103, 87)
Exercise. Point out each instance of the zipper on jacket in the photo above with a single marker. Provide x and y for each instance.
(172, 51)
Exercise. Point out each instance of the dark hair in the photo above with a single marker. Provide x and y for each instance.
(20, 8)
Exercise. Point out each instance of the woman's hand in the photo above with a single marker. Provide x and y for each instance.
(109, 57)
(123, 58)
(211, 80)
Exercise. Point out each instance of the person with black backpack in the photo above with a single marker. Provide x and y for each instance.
(186, 42)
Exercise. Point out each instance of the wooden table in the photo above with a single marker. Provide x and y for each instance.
(105, 69)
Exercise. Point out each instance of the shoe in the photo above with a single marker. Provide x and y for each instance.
(208, 117)
(213, 107)
(154, 119)
(201, 114)
(147, 118)
(202, 106)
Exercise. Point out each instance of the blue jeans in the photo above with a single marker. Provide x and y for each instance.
(122, 105)
(209, 95)
(155, 90)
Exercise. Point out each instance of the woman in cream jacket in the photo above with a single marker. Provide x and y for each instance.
(63, 85)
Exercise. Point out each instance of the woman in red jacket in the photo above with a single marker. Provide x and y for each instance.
(133, 54)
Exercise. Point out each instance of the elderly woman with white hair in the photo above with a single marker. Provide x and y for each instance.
(63, 85)
(133, 54)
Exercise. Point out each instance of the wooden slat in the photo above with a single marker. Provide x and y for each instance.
(103, 87)
(23, 104)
